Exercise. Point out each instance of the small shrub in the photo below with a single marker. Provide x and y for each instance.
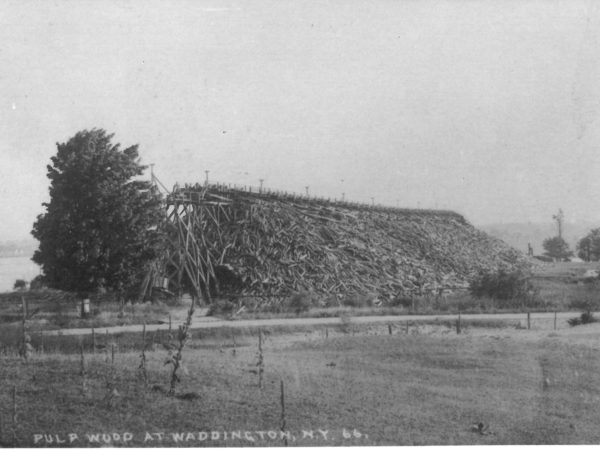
(221, 307)
(586, 305)
(585, 318)
(274, 307)
(300, 302)
(512, 288)
(357, 301)
(20, 285)
(331, 301)
(404, 301)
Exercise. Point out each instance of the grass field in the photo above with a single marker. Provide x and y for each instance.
(370, 388)
(347, 384)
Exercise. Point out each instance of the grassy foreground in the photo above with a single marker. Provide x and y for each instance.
(529, 387)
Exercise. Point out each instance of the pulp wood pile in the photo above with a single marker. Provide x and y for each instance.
(271, 244)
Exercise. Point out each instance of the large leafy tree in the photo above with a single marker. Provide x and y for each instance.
(102, 226)
(557, 248)
(588, 247)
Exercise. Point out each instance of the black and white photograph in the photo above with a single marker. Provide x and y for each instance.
(299, 223)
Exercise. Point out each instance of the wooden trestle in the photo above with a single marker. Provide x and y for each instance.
(195, 219)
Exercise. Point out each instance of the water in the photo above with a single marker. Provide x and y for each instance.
(12, 269)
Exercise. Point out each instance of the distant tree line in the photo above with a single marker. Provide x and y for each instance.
(588, 247)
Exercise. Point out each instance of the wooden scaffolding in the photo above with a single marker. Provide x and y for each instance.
(195, 216)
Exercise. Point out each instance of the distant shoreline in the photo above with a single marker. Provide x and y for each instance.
(28, 255)
(16, 267)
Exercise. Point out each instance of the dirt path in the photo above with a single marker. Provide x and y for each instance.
(213, 322)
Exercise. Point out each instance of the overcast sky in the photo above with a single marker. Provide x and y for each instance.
(489, 108)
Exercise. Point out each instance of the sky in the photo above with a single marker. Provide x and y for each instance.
(488, 108)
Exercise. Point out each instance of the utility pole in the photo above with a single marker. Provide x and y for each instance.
(559, 221)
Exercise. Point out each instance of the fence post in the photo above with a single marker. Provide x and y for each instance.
(169, 323)
(82, 369)
(458, 324)
(142, 366)
(406, 327)
(24, 307)
(285, 441)
(528, 320)
(390, 328)
(555, 320)
(260, 359)
(93, 341)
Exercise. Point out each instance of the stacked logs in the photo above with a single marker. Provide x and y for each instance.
(273, 244)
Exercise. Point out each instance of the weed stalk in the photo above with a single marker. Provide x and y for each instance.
(142, 366)
(182, 338)
(14, 415)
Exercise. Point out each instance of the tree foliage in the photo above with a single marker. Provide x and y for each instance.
(588, 247)
(557, 247)
(20, 285)
(513, 287)
(102, 225)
